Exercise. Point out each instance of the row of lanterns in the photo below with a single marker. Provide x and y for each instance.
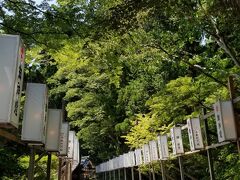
(158, 149)
(41, 126)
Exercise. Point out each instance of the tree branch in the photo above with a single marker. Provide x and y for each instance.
(187, 63)
(47, 13)
(221, 41)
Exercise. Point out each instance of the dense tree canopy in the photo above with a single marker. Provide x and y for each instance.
(131, 69)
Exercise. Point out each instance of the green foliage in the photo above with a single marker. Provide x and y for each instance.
(10, 167)
(40, 168)
(227, 163)
(144, 128)
(130, 70)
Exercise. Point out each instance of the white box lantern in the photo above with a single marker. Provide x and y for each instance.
(177, 144)
(75, 152)
(98, 169)
(12, 56)
(138, 156)
(146, 154)
(126, 160)
(132, 160)
(121, 161)
(163, 147)
(71, 144)
(35, 114)
(63, 140)
(226, 127)
(53, 130)
(153, 150)
(110, 165)
(116, 163)
(195, 134)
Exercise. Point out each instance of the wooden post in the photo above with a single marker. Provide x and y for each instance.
(119, 174)
(66, 170)
(70, 170)
(150, 171)
(181, 167)
(31, 163)
(139, 174)
(132, 172)
(114, 175)
(153, 173)
(209, 155)
(125, 174)
(49, 166)
(59, 168)
(64, 173)
(162, 170)
(232, 94)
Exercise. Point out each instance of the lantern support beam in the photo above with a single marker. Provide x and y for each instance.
(31, 163)
(181, 167)
(139, 175)
(162, 170)
(10, 137)
(119, 175)
(40, 157)
(209, 153)
(49, 166)
(132, 172)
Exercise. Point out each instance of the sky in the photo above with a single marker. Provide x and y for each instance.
(38, 1)
(50, 2)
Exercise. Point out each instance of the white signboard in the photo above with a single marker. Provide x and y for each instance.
(76, 149)
(115, 163)
(121, 161)
(110, 165)
(103, 167)
(163, 147)
(177, 144)
(75, 152)
(224, 114)
(35, 114)
(71, 144)
(63, 140)
(146, 154)
(195, 134)
(118, 166)
(126, 160)
(106, 166)
(138, 156)
(153, 150)
(53, 130)
(131, 155)
(12, 55)
(98, 168)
